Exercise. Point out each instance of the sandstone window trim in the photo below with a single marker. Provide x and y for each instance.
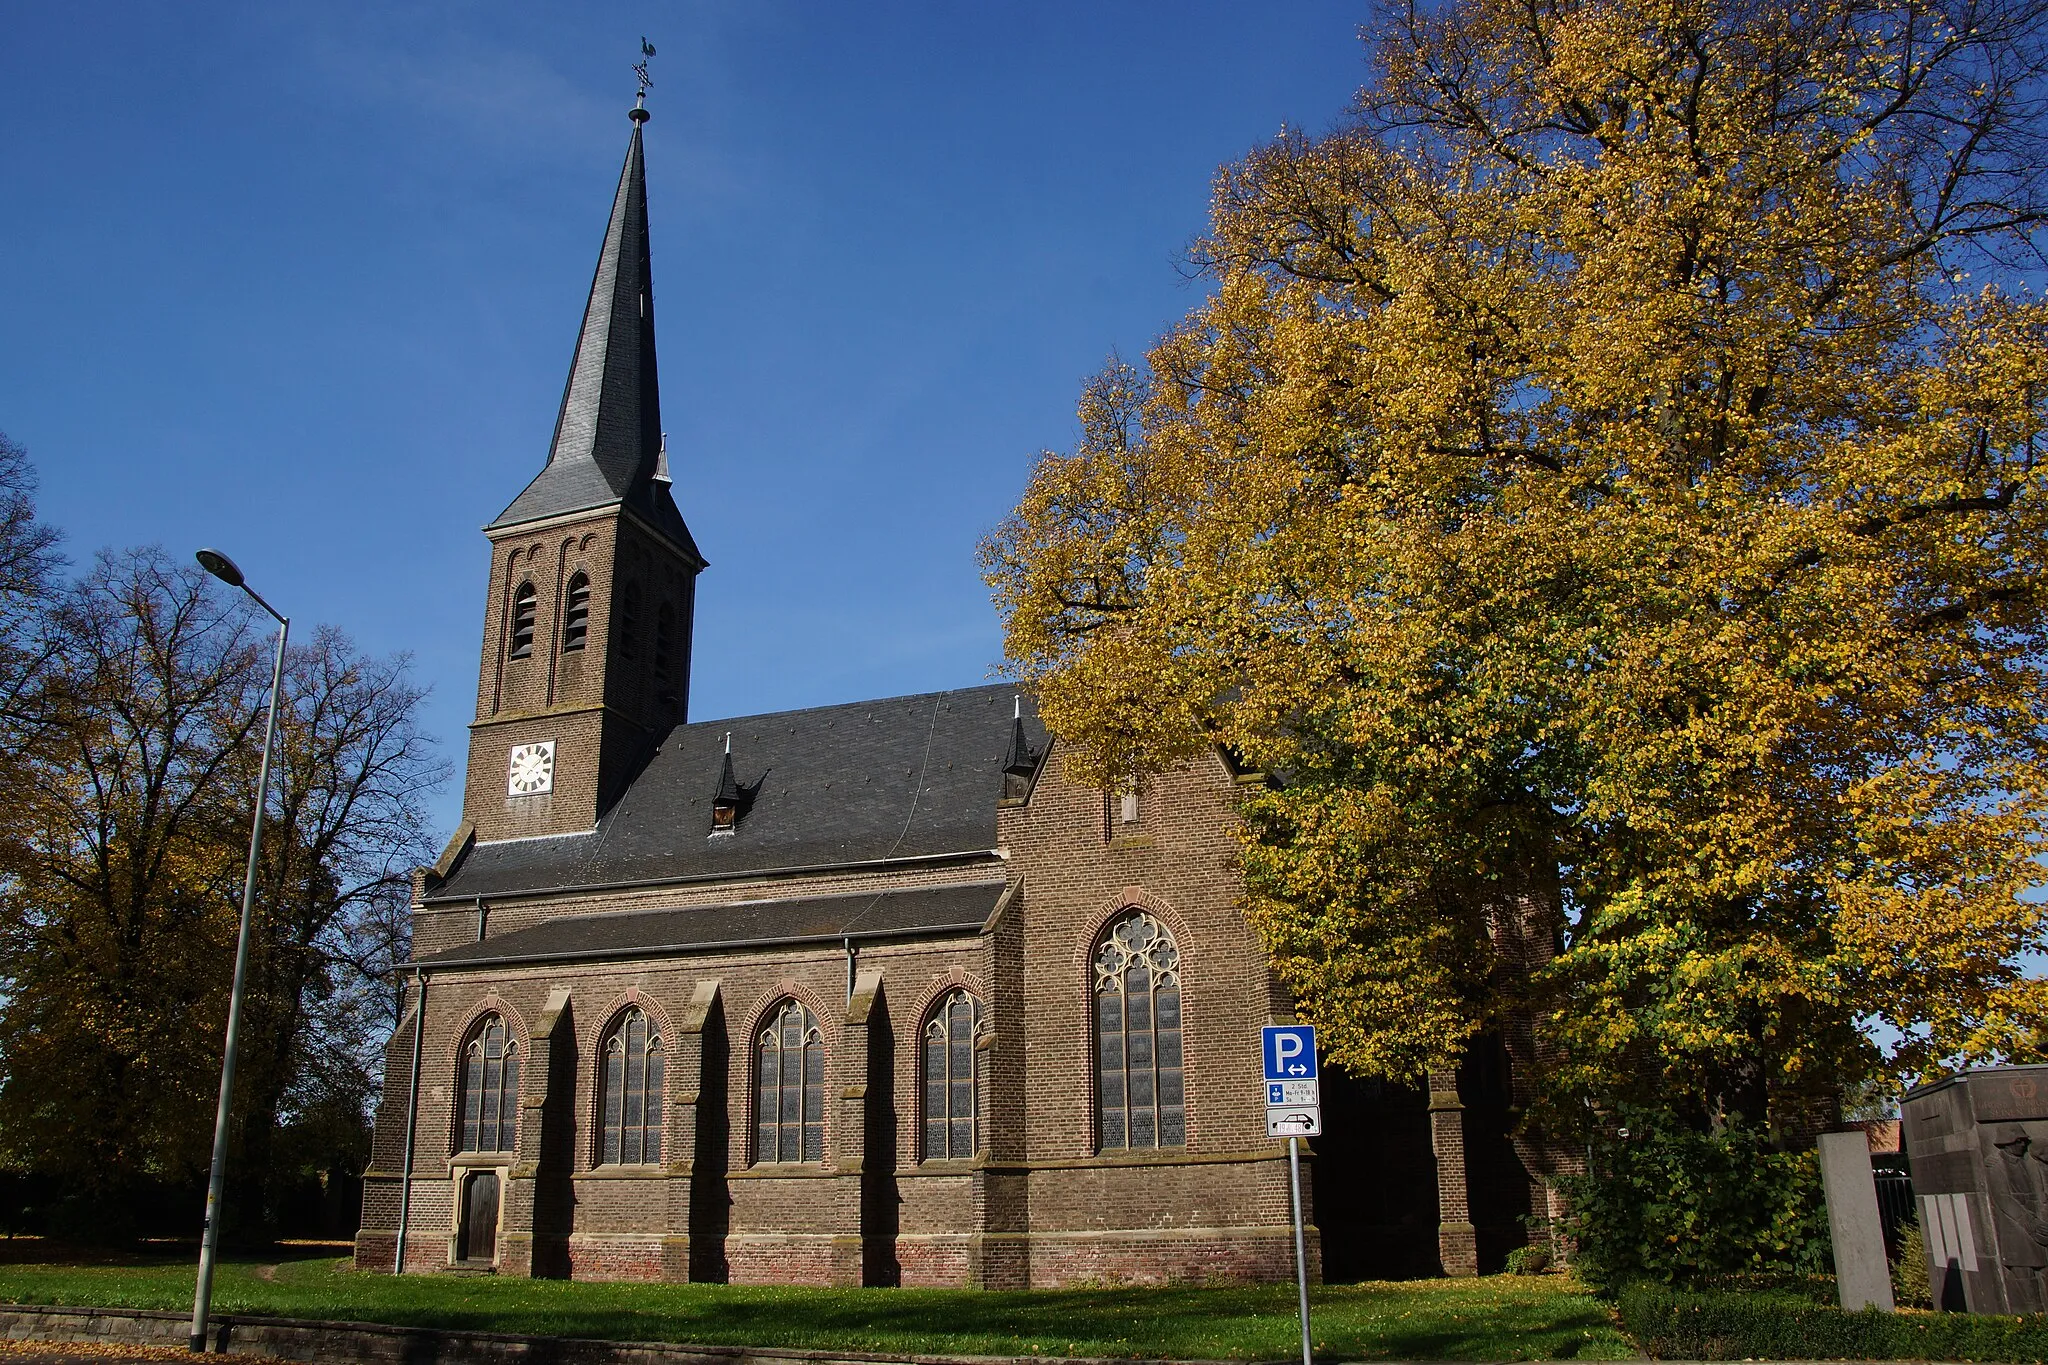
(525, 608)
(950, 1061)
(1140, 1093)
(576, 616)
(487, 1109)
(789, 1087)
(631, 1087)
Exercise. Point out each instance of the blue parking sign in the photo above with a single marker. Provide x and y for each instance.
(1289, 1051)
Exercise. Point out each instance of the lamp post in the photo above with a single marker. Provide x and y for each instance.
(223, 568)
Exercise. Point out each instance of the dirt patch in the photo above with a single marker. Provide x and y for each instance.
(30, 1352)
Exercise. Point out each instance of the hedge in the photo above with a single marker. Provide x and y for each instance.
(1673, 1324)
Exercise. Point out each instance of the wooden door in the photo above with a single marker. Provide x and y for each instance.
(480, 1217)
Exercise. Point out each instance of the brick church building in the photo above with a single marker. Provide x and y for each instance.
(864, 994)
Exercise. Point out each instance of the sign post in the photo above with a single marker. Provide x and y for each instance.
(1294, 1110)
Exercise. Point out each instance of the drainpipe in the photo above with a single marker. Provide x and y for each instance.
(483, 918)
(412, 1109)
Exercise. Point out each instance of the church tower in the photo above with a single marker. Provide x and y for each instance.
(586, 650)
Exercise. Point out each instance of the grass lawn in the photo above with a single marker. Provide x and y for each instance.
(1498, 1318)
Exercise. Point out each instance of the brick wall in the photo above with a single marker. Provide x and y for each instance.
(1041, 1206)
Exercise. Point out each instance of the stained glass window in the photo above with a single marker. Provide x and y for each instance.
(952, 1078)
(631, 1103)
(1137, 1036)
(789, 1087)
(490, 1087)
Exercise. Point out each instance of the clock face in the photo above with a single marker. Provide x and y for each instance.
(533, 769)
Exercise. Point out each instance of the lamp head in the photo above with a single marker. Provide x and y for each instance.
(220, 566)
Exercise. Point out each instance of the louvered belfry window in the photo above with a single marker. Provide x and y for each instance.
(789, 1087)
(952, 1078)
(664, 641)
(1137, 1036)
(629, 620)
(576, 615)
(490, 1087)
(632, 1099)
(522, 621)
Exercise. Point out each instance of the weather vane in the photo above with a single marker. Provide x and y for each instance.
(640, 70)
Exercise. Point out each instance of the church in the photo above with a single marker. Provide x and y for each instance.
(868, 994)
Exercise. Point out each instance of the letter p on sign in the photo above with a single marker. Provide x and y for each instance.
(1290, 1052)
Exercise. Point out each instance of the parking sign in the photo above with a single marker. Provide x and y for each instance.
(1294, 1100)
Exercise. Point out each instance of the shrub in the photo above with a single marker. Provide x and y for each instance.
(1529, 1260)
(1675, 1205)
(1726, 1325)
(1909, 1272)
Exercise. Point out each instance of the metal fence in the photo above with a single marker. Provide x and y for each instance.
(1894, 1205)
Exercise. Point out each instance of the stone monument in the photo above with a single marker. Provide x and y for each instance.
(1978, 1148)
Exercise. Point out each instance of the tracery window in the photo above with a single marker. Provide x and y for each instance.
(490, 1087)
(952, 1078)
(1137, 1036)
(789, 1087)
(629, 620)
(576, 616)
(631, 1103)
(522, 620)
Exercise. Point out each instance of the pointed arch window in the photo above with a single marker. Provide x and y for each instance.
(523, 602)
(789, 1087)
(576, 615)
(629, 620)
(490, 1087)
(632, 1100)
(1138, 1095)
(952, 1078)
(664, 641)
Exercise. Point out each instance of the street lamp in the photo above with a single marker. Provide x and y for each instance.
(223, 568)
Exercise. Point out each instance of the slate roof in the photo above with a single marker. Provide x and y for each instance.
(897, 778)
(656, 933)
(607, 445)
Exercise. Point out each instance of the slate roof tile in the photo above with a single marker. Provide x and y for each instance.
(655, 933)
(896, 778)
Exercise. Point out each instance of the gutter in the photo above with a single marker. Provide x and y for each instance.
(737, 874)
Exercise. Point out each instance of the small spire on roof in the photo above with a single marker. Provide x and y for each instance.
(661, 462)
(1018, 759)
(727, 800)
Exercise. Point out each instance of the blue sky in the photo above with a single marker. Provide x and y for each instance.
(301, 282)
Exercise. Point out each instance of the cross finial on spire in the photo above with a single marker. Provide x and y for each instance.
(639, 112)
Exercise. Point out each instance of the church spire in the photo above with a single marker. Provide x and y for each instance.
(607, 444)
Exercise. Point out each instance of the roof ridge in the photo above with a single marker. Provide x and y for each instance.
(850, 705)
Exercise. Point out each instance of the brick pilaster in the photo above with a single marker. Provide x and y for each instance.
(693, 1094)
(515, 1248)
(849, 1245)
(1457, 1240)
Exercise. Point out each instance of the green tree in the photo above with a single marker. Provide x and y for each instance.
(1603, 484)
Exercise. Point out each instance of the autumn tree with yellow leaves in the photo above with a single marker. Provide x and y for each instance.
(1603, 487)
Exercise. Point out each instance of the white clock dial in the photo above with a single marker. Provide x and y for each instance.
(532, 770)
